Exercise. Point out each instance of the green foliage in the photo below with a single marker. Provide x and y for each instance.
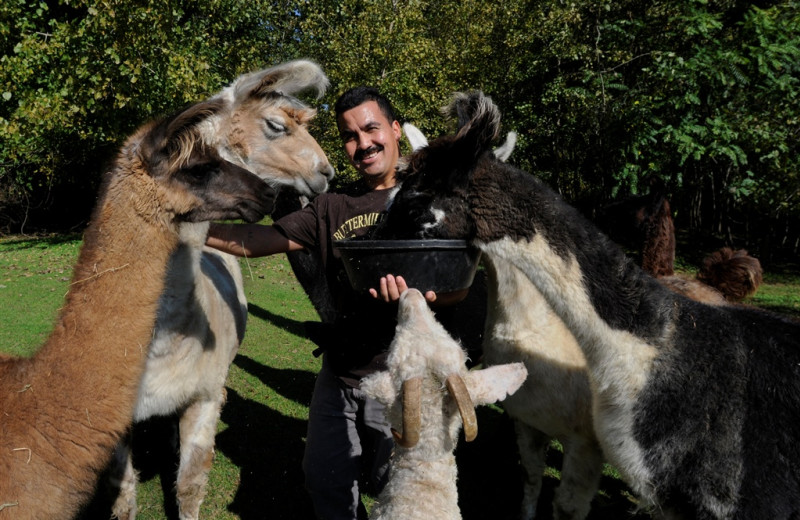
(78, 76)
(721, 108)
(406, 48)
(603, 94)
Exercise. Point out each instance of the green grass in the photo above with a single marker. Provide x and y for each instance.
(256, 471)
(34, 276)
(780, 293)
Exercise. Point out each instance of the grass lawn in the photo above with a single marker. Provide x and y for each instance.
(256, 472)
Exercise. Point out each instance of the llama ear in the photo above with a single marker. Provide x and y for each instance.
(173, 138)
(186, 121)
(379, 386)
(503, 152)
(493, 384)
(291, 78)
(415, 137)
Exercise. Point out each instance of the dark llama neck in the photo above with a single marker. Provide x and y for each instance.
(658, 250)
(66, 408)
(507, 203)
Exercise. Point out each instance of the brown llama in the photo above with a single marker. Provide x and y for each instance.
(646, 221)
(734, 272)
(202, 315)
(65, 408)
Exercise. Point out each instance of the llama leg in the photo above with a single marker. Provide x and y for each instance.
(580, 479)
(124, 506)
(198, 427)
(532, 452)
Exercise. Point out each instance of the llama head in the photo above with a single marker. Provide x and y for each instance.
(263, 127)
(424, 361)
(734, 272)
(432, 201)
(183, 179)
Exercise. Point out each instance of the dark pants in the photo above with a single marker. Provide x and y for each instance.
(347, 448)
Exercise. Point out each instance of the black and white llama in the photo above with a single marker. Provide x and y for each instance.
(696, 405)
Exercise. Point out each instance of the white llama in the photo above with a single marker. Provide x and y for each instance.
(426, 417)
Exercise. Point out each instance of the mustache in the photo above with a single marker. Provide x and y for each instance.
(361, 153)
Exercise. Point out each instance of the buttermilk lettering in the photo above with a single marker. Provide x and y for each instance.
(348, 228)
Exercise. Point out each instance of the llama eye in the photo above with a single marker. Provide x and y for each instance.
(201, 172)
(275, 126)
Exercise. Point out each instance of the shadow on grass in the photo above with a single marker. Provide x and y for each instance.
(264, 444)
(490, 477)
(155, 454)
(21, 242)
(489, 474)
(295, 385)
(295, 327)
(267, 446)
(785, 310)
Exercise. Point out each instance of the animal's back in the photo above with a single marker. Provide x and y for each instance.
(192, 352)
(771, 487)
(720, 414)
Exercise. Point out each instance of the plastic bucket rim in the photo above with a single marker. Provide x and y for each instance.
(401, 245)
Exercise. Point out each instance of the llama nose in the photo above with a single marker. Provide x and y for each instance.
(328, 172)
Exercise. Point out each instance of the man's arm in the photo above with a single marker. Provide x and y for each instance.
(250, 240)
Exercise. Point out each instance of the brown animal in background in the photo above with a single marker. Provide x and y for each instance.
(65, 409)
(658, 253)
(735, 273)
(726, 275)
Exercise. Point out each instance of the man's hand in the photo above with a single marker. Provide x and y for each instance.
(391, 287)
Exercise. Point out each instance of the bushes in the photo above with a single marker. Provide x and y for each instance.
(603, 94)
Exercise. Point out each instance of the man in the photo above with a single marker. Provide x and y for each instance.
(348, 441)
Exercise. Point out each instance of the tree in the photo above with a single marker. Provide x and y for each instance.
(406, 48)
(78, 76)
(604, 94)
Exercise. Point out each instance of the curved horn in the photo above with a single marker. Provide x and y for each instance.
(457, 388)
(412, 401)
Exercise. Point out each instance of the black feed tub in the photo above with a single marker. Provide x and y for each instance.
(425, 264)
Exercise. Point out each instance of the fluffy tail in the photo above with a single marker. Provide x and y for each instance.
(734, 273)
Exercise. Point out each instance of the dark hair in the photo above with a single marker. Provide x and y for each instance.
(358, 95)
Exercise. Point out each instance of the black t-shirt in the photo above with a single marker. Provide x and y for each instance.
(365, 326)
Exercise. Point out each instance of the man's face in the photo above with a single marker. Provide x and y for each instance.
(370, 141)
